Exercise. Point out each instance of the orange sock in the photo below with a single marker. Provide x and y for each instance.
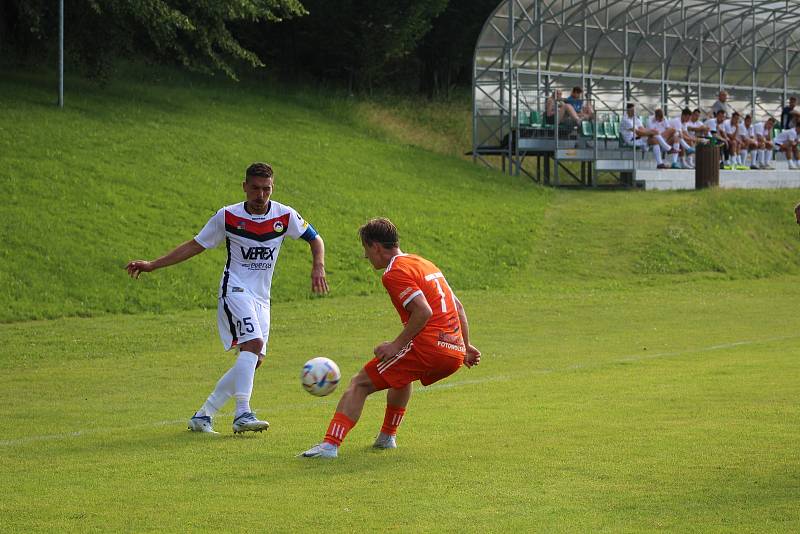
(338, 429)
(392, 419)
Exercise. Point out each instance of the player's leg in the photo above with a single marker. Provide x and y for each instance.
(768, 148)
(396, 403)
(254, 332)
(652, 141)
(244, 418)
(238, 326)
(347, 414)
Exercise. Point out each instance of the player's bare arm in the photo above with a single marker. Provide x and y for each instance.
(473, 355)
(319, 284)
(419, 313)
(181, 253)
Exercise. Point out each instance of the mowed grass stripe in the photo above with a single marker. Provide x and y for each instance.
(451, 383)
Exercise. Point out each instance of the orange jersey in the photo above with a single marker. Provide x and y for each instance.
(408, 276)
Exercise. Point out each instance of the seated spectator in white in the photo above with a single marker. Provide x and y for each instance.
(686, 140)
(697, 126)
(749, 142)
(734, 130)
(722, 104)
(716, 130)
(789, 114)
(668, 133)
(762, 131)
(786, 142)
(634, 133)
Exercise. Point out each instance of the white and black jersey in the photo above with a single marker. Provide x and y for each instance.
(253, 243)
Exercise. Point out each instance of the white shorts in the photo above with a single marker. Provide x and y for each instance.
(640, 143)
(241, 318)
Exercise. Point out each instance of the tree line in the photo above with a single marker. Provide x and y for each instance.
(413, 45)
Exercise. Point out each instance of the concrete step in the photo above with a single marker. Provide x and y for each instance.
(675, 179)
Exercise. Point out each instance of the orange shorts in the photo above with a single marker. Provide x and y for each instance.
(409, 365)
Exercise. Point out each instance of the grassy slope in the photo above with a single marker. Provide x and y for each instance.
(130, 171)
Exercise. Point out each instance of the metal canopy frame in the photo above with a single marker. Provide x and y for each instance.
(657, 53)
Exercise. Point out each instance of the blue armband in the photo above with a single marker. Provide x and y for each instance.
(310, 234)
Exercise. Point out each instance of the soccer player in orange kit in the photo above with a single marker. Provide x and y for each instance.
(433, 344)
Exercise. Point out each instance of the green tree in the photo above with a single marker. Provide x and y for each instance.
(358, 41)
(446, 52)
(197, 34)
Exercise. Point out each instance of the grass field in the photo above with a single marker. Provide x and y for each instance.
(641, 367)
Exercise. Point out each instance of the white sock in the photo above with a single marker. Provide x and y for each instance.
(685, 145)
(691, 160)
(244, 371)
(768, 154)
(663, 143)
(222, 392)
(657, 154)
(744, 157)
(756, 157)
(676, 147)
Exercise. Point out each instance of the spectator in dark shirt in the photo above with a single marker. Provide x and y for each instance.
(582, 109)
(789, 114)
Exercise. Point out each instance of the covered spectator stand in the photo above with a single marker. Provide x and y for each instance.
(667, 54)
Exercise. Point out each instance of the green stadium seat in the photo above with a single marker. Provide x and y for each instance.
(608, 130)
(586, 129)
(536, 119)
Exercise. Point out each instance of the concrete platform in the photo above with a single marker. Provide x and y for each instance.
(655, 180)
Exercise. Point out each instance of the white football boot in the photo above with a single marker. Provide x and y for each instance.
(385, 441)
(248, 422)
(323, 450)
(201, 423)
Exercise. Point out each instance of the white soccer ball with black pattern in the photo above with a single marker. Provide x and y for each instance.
(320, 376)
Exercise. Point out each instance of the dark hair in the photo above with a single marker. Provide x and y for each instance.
(379, 230)
(686, 111)
(262, 170)
(697, 111)
(719, 111)
(735, 114)
(577, 89)
(629, 106)
(748, 116)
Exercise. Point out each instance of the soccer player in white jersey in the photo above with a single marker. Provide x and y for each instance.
(686, 140)
(762, 132)
(716, 130)
(750, 142)
(735, 131)
(635, 134)
(786, 141)
(666, 134)
(252, 232)
(696, 126)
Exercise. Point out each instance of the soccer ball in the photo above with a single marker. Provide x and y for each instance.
(320, 376)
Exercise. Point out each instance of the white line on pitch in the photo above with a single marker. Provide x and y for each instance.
(434, 387)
